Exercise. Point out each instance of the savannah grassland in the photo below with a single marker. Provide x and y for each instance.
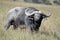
(49, 30)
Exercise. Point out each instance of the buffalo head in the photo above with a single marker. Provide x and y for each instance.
(33, 20)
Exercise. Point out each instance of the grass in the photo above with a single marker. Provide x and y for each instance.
(49, 30)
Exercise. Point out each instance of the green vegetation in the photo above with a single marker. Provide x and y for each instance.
(49, 30)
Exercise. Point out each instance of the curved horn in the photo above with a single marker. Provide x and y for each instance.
(36, 12)
(27, 12)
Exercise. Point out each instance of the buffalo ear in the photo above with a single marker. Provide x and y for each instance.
(46, 16)
(43, 15)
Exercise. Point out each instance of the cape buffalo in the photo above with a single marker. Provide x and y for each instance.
(29, 16)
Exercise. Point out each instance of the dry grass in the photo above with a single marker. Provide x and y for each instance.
(49, 30)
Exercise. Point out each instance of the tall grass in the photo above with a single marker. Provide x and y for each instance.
(49, 30)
